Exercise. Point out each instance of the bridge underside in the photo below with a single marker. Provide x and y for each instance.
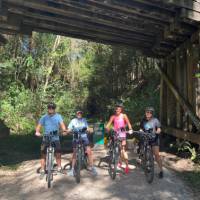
(167, 29)
(156, 27)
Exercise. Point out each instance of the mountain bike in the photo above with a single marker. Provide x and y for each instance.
(48, 140)
(81, 155)
(146, 153)
(114, 153)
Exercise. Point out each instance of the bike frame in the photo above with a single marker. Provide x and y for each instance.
(49, 157)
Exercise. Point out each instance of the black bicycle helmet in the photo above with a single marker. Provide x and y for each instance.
(119, 105)
(150, 109)
(79, 111)
(51, 105)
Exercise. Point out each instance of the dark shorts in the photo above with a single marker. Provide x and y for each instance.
(85, 140)
(156, 141)
(56, 144)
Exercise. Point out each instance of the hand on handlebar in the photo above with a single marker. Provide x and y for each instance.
(38, 134)
(130, 132)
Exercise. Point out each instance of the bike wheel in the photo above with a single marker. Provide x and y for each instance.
(77, 167)
(149, 165)
(49, 169)
(112, 165)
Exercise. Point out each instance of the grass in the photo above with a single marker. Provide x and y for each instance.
(18, 148)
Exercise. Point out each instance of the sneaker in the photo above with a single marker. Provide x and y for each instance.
(94, 171)
(71, 172)
(126, 170)
(160, 175)
(42, 174)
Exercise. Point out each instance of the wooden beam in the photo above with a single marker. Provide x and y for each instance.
(81, 35)
(63, 11)
(186, 106)
(82, 26)
(192, 137)
(190, 14)
(96, 7)
(187, 4)
(3, 40)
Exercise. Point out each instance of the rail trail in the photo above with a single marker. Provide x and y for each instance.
(25, 184)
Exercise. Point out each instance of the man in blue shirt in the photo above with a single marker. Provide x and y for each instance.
(52, 121)
(79, 123)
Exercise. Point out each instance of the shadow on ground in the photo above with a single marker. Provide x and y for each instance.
(18, 148)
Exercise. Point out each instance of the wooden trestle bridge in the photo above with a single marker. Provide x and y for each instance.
(164, 29)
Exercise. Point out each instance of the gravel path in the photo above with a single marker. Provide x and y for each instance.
(25, 184)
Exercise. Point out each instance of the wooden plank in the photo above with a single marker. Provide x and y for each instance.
(108, 10)
(190, 80)
(187, 4)
(189, 14)
(65, 30)
(186, 106)
(179, 121)
(192, 137)
(163, 96)
(3, 40)
(85, 26)
(44, 7)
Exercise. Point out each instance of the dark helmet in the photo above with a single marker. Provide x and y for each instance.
(51, 105)
(150, 109)
(79, 111)
(119, 105)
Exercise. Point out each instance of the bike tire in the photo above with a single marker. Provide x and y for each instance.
(149, 165)
(77, 167)
(49, 170)
(112, 165)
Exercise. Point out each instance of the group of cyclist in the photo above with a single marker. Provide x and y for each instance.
(53, 121)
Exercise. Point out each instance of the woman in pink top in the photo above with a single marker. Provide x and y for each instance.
(119, 122)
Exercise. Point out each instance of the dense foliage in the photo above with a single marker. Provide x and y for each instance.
(74, 74)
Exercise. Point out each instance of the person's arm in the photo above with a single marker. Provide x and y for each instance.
(37, 130)
(89, 130)
(39, 127)
(128, 122)
(109, 123)
(62, 125)
(70, 127)
(158, 125)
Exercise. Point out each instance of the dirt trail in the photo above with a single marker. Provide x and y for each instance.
(25, 184)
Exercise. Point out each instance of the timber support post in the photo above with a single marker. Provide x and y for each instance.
(185, 105)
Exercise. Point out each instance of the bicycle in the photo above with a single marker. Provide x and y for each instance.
(114, 153)
(81, 155)
(48, 139)
(146, 153)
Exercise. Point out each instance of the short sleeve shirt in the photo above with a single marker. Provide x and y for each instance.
(51, 123)
(78, 123)
(152, 124)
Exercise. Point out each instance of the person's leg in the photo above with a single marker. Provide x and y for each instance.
(156, 152)
(124, 152)
(91, 160)
(71, 172)
(43, 160)
(58, 159)
(90, 156)
(58, 154)
(43, 156)
(73, 158)
(125, 156)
